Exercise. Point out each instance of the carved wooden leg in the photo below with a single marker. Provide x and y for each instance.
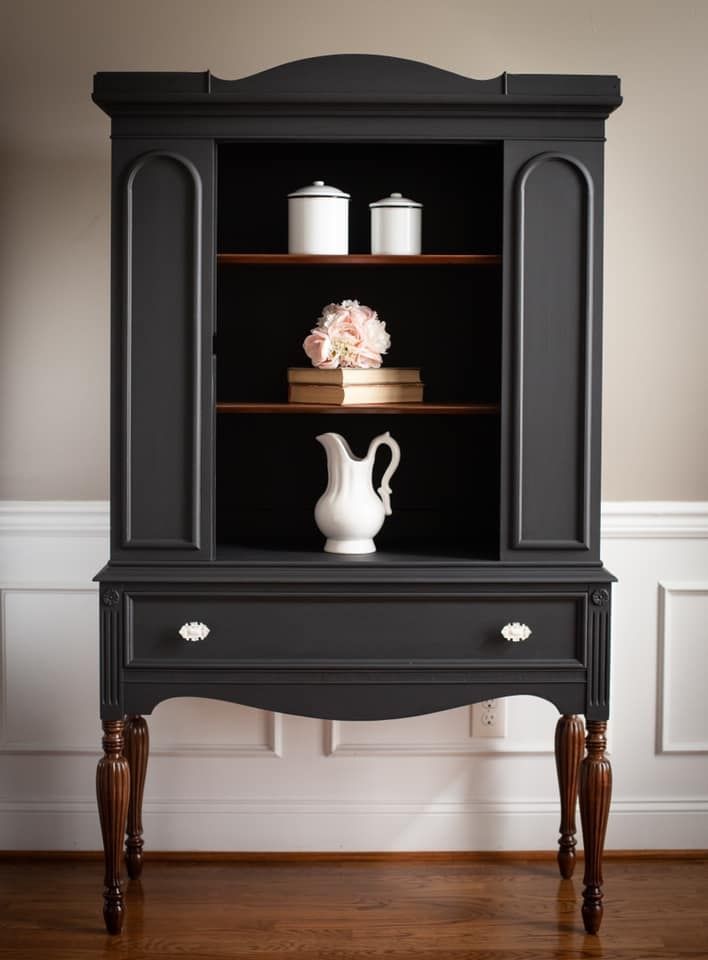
(112, 789)
(137, 746)
(570, 737)
(595, 791)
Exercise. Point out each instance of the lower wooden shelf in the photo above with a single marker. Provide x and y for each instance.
(420, 409)
(313, 555)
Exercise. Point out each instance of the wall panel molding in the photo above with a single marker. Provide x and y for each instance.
(673, 692)
(272, 745)
(336, 746)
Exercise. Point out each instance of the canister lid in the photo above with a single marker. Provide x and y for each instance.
(318, 188)
(395, 200)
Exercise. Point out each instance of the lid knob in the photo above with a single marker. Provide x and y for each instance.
(318, 183)
(397, 196)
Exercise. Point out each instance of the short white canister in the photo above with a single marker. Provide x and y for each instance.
(318, 219)
(395, 225)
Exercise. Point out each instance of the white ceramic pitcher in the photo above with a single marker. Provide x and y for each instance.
(349, 514)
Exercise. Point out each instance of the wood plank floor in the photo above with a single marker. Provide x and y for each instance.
(342, 910)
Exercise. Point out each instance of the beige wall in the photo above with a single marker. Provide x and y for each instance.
(54, 199)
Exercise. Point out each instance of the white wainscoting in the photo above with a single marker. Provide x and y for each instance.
(226, 777)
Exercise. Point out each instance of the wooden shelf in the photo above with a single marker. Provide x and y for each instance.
(458, 409)
(361, 259)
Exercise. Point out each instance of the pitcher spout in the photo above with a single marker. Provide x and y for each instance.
(335, 445)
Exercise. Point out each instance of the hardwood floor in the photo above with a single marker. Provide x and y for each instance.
(352, 910)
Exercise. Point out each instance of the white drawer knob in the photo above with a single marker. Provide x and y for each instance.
(194, 631)
(516, 631)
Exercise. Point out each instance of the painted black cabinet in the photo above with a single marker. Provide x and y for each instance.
(215, 476)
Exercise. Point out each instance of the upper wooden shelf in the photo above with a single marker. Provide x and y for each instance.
(463, 409)
(363, 259)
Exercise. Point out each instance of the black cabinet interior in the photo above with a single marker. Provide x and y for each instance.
(271, 471)
(459, 186)
(443, 319)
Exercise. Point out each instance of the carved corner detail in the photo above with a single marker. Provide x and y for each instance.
(600, 597)
(110, 597)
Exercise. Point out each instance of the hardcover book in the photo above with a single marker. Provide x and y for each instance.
(358, 393)
(348, 375)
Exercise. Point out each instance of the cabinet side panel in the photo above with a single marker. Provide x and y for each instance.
(554, 202)
(163, 213)
(162, 303)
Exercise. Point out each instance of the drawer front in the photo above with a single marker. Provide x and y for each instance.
(364, 629)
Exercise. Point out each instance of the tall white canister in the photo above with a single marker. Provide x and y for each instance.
(395, 225)
(318, 219)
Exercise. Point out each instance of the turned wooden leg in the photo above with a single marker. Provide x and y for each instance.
(112, 789)
(137, 746)
(570, 738)
(595, 791)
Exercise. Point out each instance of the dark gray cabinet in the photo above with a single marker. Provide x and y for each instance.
(214, 477)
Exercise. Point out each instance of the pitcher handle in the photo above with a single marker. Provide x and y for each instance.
(384, 491)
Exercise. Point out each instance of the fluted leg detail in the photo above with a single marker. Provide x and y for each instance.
(137, 747)
(595, 792)
(112, 790)
(570, 741)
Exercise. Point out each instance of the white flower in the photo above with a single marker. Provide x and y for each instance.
(377, 336)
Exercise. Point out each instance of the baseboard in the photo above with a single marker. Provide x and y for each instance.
(352, 856)
(316, 827)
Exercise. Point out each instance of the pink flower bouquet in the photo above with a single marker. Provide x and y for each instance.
(347, 334)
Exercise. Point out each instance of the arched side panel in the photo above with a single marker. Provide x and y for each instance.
(163, 215)
(162, 297)
(351, 701)
(554, 293)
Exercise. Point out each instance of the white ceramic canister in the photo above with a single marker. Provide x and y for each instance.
(318, 219)
(395, 225)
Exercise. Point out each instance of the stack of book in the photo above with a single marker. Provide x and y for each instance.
(349, 386)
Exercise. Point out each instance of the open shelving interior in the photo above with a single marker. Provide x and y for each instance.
(442, 309)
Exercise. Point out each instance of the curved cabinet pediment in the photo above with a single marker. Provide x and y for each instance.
(353, 74)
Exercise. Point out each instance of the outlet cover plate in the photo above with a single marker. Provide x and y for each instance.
(489, 719)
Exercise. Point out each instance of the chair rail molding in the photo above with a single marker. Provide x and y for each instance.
(620, 519)
(654, 519)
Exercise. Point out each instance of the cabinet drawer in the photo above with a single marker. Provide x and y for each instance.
(363, 629)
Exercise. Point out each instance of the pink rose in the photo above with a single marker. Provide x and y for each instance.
(318, 347)
(346, 327)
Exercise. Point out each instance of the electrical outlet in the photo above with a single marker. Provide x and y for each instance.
(489, 718)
